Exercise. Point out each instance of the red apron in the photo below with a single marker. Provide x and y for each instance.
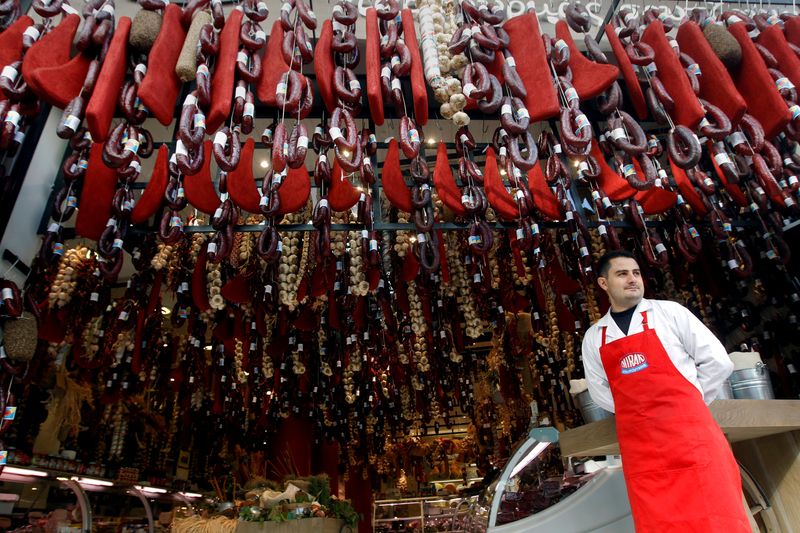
(679, 469)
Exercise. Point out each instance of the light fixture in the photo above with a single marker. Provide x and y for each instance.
(152, 490)
(533, 454)
(23, 471)
(431, 140)
(190, 495)
(264, 163)
(172, 379)
(92, 481)
(208, 348)
(346, 153)
(166, 311)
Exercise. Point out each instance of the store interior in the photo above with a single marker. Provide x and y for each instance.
(327, 266)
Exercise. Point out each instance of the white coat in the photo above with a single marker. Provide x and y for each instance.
(696, 352)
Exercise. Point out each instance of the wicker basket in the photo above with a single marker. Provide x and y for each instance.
(303, 525)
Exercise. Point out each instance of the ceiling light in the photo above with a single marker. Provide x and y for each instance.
(190, 494)
(152, 490)
(166, 311)
(264, 163)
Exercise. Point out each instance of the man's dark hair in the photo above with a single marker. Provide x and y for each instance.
(605, 262)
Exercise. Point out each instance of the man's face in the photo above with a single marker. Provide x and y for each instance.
(623, 283)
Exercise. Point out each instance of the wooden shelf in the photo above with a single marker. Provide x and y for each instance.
(740, 420)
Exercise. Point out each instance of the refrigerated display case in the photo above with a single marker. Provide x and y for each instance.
(34, 501)
(537, 492)
(422, 514)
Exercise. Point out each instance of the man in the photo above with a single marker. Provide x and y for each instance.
(656, 365)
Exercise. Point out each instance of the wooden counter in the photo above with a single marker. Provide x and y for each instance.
(765, 437)
(739, 419)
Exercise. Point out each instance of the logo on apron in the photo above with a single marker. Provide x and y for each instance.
(633, 362)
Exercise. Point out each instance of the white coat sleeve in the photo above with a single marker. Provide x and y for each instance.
(596, 377)
(710, 356)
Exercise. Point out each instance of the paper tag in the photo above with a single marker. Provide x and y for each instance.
(722, 158)
(602, 230)
(260, 35)
(784, 83)
(629, 170)
(202, 70)
(522, 113)
(281, 87)
(660, 248)
(355, 85)
(795, 110)
(474, 239)
(561, 45)
(395, 84)
(421, 238)
(335, 133)
(10, 72)
(694, 68)
(302, 142)
(240, 92)
(571, 93)
(733, 263)
(180, 148)
(221, 139)
(506, 109)
(618, 133)
(249, 109)
(212, 247)
(413, 136)
(54, 227)
(72, 122)
(108, 8)
(468, 89)
(242, 57)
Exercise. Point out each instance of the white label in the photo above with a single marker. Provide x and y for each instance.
(421, 238)
(260, 35)
(240, 92)
(602, 230)
(249, 109)
(506, 109)
(180, 148)
(557, 148)
(32, 32)
(199, 121)
(736, 138)
(733, 263)
(8, 294)
(72, 122)
(10, 73)
(53, 227)
(141, 68)
(660, 248)
(468, 89)
(396, 84)
(335, 133)
(386, 72)
(108, 8)
(618, 133)
(511, 62)
(355, 85)
(302, 142)
(190, 100)
(571, 93)
(123, 315)
(722, 158)
(221, 139)
(242, 57)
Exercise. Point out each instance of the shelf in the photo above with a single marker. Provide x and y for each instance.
(740, 420)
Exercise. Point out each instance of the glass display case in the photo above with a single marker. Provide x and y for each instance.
(534, 491)
(422, 514)
(34, 501)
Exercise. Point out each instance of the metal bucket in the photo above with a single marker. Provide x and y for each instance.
(752, 383)
(727, 391)
(590, 411)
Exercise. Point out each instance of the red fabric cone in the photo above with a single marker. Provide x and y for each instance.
(373, 67)
(52, 50)
(589, 78)
(323, 65)
(59, 85)
(199, 289)
(625, 66)
(295, 190)
(655, 200)
(237, 290)
(716, 85)
(774, 40)
(410, 266)
(503, 204)
(792, 30)
(222, 80)
(688, 110)
(342, 195)
(160, 88)
(525, 44)
(755, 84)
(419, 90)
(614, 185)
(11, 40)
(153, 194)
(96, 195)
(688, 191)
(445, 183)
(543, 198)
(394, 185)
(241, 183)
(199, 189)
(104, 99)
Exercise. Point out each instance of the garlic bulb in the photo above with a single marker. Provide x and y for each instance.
(159, 261)
(462, 287)
(214, 285)
(357, 270)
(65, 282)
